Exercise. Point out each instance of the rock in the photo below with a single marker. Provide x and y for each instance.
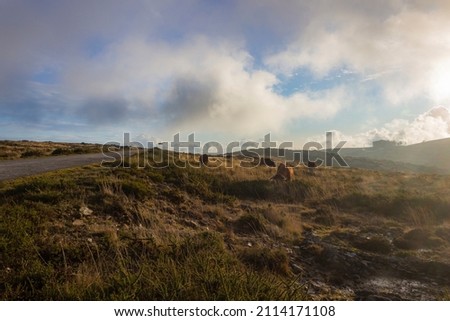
(85, 211)
(78, 223)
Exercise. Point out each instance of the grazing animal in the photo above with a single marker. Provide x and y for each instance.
(204, 159)
(311, 167)
(267, 162)
(283, 173)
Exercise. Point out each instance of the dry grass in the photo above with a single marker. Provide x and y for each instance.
(421, 217)
(200, 233)
(27, 149)
(286, 219)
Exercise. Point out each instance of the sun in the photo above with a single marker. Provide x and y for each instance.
(440, 82)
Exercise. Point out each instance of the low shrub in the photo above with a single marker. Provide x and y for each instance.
(417, 239)
(60, 151)
(137, 189)
(261, 259)
(32, 153)
(249, 224)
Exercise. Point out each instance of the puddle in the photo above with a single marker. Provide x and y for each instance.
(406, 289)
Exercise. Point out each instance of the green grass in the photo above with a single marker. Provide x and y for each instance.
(273, 260)
(48, 258)
(398, 204)
(182, 234)
(27, 149)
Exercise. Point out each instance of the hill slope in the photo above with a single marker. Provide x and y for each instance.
(427, 157)
(170, 233)
(434, 153)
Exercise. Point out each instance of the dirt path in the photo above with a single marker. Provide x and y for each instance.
(11, 169)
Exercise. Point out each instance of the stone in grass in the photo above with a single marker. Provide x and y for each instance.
(78, 223)
(85, 211)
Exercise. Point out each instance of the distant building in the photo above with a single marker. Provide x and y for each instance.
(384, 144)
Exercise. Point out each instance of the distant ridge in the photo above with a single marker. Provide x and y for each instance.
(427, 157)
(434, 154)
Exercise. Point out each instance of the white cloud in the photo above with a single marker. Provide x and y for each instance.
(196, 66)
(431, 125)
(196, 85)
(402, 45)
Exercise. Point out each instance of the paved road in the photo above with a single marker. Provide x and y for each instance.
(11, 169)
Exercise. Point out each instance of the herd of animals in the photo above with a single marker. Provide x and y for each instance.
(284, 172)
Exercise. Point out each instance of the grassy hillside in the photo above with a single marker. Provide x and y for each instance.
(434, 153)
(431, 157)
(25, 149)
(174, 233)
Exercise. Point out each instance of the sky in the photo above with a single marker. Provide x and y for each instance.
(90, 71)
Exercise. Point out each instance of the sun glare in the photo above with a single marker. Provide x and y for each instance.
(440, 82)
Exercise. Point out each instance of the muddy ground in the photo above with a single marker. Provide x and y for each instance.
(366, 262)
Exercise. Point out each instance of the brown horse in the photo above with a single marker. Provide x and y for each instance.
(283, 173)
(311, 167)
(204, 160)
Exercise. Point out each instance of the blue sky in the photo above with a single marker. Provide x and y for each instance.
(226, 70)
